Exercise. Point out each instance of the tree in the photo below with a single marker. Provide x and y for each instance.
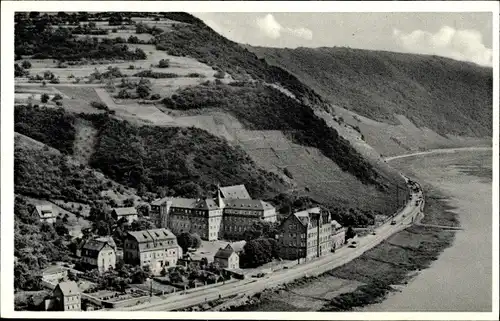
(195, 241)
(19, 71)
(26, 64)
(129, 202)
(220, 74)
(44, 98)
(184, 240)
(349, 234)
(164, 63)
(258, 252)
(143, 91)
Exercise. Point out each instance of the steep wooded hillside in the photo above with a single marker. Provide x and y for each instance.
(447, 96)
(164, 160)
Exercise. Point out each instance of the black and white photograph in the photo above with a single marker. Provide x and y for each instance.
(305, 163)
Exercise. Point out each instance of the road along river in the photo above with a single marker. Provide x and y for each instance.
(461, 279)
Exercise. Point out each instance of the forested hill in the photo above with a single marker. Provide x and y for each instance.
(447, 96)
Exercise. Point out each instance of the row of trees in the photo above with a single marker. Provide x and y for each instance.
(154, 160)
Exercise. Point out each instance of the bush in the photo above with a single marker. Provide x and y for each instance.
(164, 63)
(143, 91)
(99, 105)
(54, 81)
(44, 98)
(26, 64)
(220, 74)
(155, 97)
(57, 97)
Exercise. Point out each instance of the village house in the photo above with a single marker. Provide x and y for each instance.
(129, 213)
(153, 249)
(227, 258)
(306, 234)
(46, 213)
(234, 192)
(54, 274)
(99, 253)
(67, 296)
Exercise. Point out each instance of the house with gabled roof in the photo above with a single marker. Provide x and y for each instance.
(227, 258)
(46, 213)
(153, 249)
(238, 246)
(67, 296)
(99, 253)
(306, 234)
(129, 213)
(235, 192)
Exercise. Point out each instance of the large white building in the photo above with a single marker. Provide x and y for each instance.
(224, 217)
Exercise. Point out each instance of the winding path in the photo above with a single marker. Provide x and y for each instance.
(438, 151)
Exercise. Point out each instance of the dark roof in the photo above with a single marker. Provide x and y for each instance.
(68, 288)
(124, 211)
(224, 253)
(159, 234)
(248, 204)
(190, 203)
(235, 192)
(45, 211)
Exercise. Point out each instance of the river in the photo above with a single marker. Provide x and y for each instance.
(461, 279)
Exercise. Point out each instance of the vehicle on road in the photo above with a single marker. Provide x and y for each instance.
(259, 275)
(393, 222)
(353, 246)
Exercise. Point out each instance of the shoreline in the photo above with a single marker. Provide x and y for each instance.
(423, 246)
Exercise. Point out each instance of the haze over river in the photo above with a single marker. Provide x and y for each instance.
(460, 280)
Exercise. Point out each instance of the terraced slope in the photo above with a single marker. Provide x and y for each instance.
(313, 173)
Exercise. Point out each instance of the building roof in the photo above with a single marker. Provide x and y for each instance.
(248, 204)
(237, 246)
(159, 201)
(45, 211)
(192, 203)
(95, 246)
(305, 215)
(224, 253)
(68, 288)
(235, 192)
(52, 270)
(107, 239)
(152, 235)
(125, 211)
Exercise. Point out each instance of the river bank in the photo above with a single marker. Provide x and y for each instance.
(369, 278)
(386, 270)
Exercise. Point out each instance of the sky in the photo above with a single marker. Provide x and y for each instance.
(460, 36)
